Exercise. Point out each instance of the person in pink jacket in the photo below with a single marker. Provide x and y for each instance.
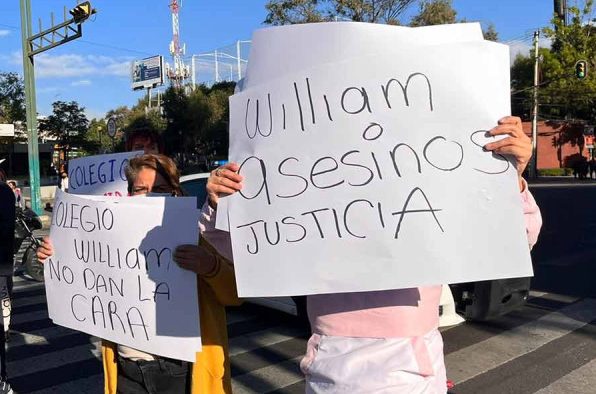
(381, 341)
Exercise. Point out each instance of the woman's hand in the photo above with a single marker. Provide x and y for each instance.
(517, 145)
(223, 181)
(45, 249)
(195, 258)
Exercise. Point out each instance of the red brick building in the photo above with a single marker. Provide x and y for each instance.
(559, 143)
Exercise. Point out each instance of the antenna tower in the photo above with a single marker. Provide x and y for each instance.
(179, 71)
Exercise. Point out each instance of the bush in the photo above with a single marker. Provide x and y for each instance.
(555, 171)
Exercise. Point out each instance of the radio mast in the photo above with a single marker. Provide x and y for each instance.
(179, 71)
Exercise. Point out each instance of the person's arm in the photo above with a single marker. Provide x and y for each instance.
(532, 215)
(221, 279)
(518, 146)
(223, 181)
(213, 268)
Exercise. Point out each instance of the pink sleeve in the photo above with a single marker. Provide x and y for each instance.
(219, 239)
(532, 215)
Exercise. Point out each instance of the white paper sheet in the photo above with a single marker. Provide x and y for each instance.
(112, 274)
(278, 51)
(385, 186)
(100, 174)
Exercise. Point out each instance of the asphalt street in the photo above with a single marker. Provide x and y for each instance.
(547, 346)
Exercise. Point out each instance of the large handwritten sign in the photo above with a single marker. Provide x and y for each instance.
(369, 174)
(112, 273)
(297, 47)
(100, 174)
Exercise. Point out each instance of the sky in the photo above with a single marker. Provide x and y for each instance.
(95, 70)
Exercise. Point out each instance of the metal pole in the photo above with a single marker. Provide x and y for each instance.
(194, 81)
(30, 108)
(238, 64)
(534, 167)
(216, 68)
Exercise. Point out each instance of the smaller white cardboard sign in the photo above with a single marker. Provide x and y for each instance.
(112, 273)
(100, 174)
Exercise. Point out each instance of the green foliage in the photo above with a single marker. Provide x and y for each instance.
(554, 171)
(434, 12)
(286, 12)
(562, 95)
(12, 98)
(197, 123)
(97, 138)
(490, 33)
(12, 105)
(68, 125)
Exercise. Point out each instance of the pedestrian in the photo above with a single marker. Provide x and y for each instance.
(17, 194)
(130, 371)
(7, 225)
(64, 181)
(378, 341)
(592, 167)
(144, 139)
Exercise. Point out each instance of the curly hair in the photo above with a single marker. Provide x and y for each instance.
(161, 164)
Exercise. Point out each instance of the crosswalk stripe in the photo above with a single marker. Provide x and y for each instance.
(50, 360)
(497, 350)
(18, 302)
(269, 378)
(59, 375)
(23, 318)
(262, 338)
(38, 336)
(266, 347)
(536, 369)
(580, 381)
(93, 384)
(267, 355)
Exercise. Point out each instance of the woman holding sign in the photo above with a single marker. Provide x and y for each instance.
(132, 371)
(381, 341)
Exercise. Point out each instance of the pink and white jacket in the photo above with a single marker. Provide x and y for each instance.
(393, 331)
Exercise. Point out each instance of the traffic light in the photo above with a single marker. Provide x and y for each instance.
(82, 11)
(581, 69)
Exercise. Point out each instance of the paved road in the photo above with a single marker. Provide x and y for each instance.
(546, 347)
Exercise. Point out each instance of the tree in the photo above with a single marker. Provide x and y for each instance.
(12, 105)
(434, 12)
(285, 12)
(97, 139)
(68, 125)
(12, 98)
(197, 126)
(561, 94)
(490, 33)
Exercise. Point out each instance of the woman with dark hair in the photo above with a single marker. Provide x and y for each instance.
(131, 371)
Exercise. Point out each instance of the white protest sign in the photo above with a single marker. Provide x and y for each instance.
(365, 40)
(112, 273)
(282, 50)
(365, 175)
(100, 174)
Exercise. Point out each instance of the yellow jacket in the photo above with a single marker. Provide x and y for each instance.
(211, 369)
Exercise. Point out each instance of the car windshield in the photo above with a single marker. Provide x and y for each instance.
(196, 187)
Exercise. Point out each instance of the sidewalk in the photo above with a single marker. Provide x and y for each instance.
(561, 180)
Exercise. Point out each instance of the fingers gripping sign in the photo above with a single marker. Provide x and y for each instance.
(223, 181)
(516, 144)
